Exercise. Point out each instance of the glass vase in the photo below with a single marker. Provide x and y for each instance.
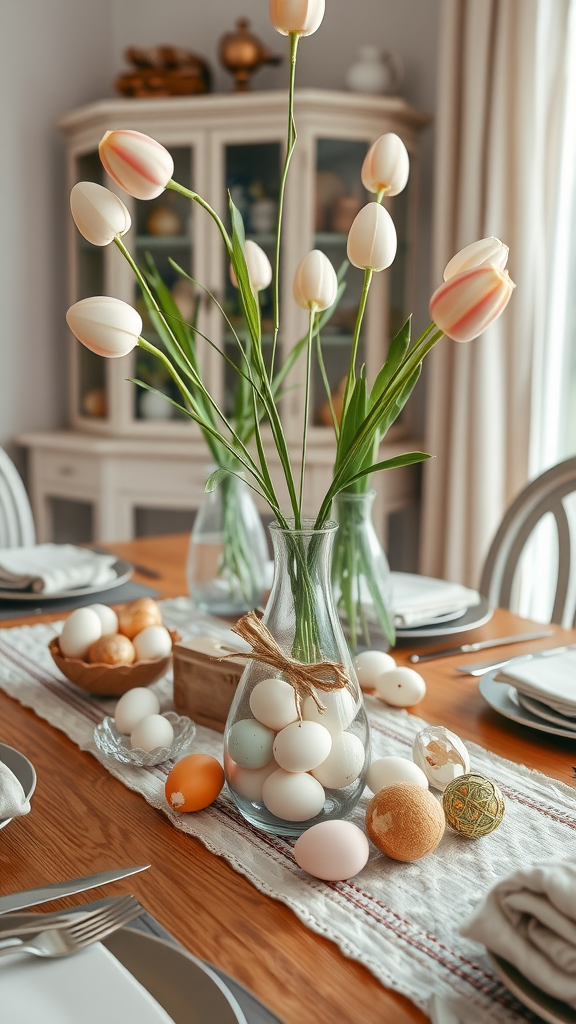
(285, 774)
(228, 553)
(361, 580)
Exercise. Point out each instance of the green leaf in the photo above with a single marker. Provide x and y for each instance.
(399, 460)
(215, 479)
(247, 297)
(389, 417)
(396, 352)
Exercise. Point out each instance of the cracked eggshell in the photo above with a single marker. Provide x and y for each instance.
(401, 687)
(371, 664)
(340, 710)
(441, 755)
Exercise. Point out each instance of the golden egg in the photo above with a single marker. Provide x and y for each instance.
(473, 805)
(137, 615)
(405, 821)
(114, 649)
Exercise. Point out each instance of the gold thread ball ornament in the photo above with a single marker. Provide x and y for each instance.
(405, 821)
(473, 805)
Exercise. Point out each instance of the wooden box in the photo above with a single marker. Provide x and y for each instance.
(204, 686)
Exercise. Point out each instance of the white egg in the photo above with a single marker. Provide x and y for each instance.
(108, 618)
(80, 631)
(153, 642)
(401, 687)
(371, 664)
(386, 771)
(273, 703)
(302, 746)
(340, 710)
(151, 732)
(293, 796)
(344, 762)
(248, 782)
(332, 850)
(250, 743)
(135, 705)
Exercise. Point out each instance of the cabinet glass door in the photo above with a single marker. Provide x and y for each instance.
(92, 397)
(252, 175)
(163, 231)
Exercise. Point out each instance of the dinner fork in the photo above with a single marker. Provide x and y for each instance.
(75, 935)
(31, 924)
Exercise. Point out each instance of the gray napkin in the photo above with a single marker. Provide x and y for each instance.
(13, 800)
(529, 919)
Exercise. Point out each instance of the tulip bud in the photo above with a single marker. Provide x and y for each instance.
(372, 238)
(108, 327)
(258, 265)
(315, 282)
(98, 213)
(486, 250)
(468, 303)
(386, 165)
(139, 164)
(300, 16)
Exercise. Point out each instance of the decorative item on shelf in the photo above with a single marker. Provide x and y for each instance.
(166, 737)
(228, 553)
(164, 221)
(330, 188)
(263, 214)
(375, 71)
(186, 299)
(405, 821)
(441, 755)
(94, 403)
(242, 53)
(473, 805)
(164, 71)
(153, 406)
(205, 680)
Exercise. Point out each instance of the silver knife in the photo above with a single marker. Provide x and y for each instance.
(56, 890)
(446, 652)
(481, 667)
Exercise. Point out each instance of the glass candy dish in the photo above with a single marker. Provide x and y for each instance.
(114, 744)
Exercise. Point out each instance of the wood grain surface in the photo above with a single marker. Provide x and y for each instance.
(83, 820)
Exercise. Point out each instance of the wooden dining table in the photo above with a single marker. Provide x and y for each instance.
(84, 820)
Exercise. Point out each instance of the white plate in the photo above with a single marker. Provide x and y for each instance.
(548, 714)
(503, 698)
(135, 978)
(476, 615)
(123, 570)
(548, 1008)
(22, 769)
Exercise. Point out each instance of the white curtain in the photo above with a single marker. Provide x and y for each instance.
(502, 168)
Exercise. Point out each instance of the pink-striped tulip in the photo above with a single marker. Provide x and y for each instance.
(107, 326)
(315, 282)
(139, 164)
(386, 165)
(485, 250)
(258, 266)
(98, 213)
(372, 238)
(300, 16)
(468, 303)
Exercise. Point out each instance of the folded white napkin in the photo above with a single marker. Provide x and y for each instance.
(549, 678)
(52, 568)
(13, 800)
(417, 600)
(529, 919)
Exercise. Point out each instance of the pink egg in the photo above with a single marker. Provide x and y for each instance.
(332, 850)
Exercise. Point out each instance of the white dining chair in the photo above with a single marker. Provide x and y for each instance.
(16, 519)
(546, 494)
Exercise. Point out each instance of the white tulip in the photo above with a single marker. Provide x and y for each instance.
(372, 238)
(98, 214)
(258, 265)
(300, 16)
(486, 250)
(108, 327)
(386, 165)
(315, 282)
(136, 162)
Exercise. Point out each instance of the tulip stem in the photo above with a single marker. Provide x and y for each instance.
(381, 193)
(311, 317)
(291, 143)
(206, 206)
(351, 379)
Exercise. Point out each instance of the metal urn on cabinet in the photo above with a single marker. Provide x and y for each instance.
(126, 449)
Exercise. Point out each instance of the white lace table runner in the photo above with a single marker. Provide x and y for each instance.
(399, 920)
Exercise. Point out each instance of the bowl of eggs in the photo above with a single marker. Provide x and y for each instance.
(138, 734)
(108, 654)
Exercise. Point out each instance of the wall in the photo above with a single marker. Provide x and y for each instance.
(55, 55)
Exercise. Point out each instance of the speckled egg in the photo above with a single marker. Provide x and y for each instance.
(401, 687)
(250, 743)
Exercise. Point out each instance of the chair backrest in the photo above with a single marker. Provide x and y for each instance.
(16, 519)
(545, 494)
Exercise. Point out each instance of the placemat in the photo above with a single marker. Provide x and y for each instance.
(399, 920)
(129, 591)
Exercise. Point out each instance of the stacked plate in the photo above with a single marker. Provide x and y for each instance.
(427, 607)
(538, 690)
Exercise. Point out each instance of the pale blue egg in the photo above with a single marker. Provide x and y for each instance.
(250, 743)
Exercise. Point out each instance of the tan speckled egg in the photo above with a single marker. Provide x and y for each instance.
(112, 650)
(405, 821)
(138, 615)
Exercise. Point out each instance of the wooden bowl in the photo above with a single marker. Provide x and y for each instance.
(110, 680)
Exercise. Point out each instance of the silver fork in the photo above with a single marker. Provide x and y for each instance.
(31, 924)
(75, 935)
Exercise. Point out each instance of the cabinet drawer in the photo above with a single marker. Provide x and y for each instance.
(64, 470)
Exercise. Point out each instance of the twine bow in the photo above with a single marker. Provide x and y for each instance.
(306, 679)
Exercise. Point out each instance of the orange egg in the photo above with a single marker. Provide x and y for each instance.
(137, 615)
(194, 782)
